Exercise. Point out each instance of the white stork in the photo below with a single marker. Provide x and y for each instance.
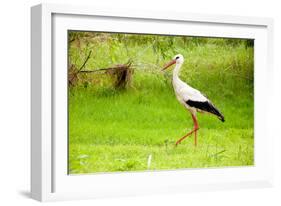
(193, 100)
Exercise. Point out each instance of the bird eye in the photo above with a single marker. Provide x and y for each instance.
(177, 57)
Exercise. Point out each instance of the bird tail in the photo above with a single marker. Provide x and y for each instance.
(206, 106)
(221, 117)
(216, 112)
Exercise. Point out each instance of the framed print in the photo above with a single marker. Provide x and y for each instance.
(134, 102)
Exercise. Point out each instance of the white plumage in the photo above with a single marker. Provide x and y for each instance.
(190, 98)
(185, 92)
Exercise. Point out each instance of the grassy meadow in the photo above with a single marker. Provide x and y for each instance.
(113, 129)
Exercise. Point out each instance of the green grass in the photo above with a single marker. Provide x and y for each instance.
(112, 130)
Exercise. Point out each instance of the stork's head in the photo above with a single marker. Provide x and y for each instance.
(178, 59)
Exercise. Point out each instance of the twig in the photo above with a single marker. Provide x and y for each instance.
(128, 64)
(217, 153)
(92, 71)
(86, 60)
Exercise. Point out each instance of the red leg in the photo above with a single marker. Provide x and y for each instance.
(196, 127)
(185, 136)
(195, 138)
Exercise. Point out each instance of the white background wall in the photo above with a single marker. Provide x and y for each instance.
(15, 95)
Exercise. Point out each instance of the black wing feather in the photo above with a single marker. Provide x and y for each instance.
(206, 106)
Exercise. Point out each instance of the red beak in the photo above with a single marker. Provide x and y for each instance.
(169, 64)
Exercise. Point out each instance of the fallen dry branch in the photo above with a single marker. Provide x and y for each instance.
(120, 74)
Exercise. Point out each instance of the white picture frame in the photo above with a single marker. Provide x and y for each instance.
(49, 178)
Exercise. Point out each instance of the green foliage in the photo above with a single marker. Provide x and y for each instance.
(111, 130)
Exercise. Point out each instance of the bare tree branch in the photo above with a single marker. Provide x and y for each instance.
(83, 65)
(85, 61)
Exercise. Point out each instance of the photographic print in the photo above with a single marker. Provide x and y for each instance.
(147, 102)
